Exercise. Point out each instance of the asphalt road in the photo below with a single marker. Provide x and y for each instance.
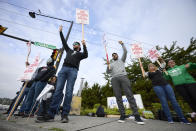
(85, 123)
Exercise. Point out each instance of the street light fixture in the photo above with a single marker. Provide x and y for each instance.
(32, 14)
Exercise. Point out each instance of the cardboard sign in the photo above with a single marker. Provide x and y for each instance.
(82, 16)
(111, 102)
(136, 50)
(30, 69)
(153, 55)
(44, 92)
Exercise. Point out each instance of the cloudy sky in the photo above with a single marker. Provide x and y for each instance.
(151, 23)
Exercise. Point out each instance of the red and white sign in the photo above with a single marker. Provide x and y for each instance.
(153, 55)
(136, 50)
(30, 69)
(82, 16)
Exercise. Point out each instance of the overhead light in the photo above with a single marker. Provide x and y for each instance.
(32, 14)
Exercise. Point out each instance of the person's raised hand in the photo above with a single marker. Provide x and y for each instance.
(120, 42)
(83, 42)
(60, 28)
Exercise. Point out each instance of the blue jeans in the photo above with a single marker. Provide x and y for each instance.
(34, 92)
(164, 92)
(25, 93)
(68, 74)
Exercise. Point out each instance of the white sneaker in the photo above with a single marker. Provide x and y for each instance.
(171, 122)
(138, 120)
(122, 119)
(131, 117)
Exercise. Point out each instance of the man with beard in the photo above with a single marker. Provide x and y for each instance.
(67, 73)
(120, 81)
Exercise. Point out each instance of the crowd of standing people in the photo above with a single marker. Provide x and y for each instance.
(183, 82)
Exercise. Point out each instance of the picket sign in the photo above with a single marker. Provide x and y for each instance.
(31, 69)
(82, 17)
(44, 92)
(26, 77)
(137, 52)
(104, 42)
(154, 55)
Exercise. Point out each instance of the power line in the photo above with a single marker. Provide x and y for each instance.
(98, 30)
(55, 34)
(95, 43)
(16, 5)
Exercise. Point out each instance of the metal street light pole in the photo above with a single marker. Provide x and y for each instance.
(32, 14)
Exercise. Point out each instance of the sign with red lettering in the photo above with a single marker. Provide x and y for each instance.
(153, 55)
(136, 50)
(82, 16)
(30, 69)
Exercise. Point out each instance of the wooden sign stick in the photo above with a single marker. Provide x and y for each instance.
(160, 65)
(143, 74)
(17, 100)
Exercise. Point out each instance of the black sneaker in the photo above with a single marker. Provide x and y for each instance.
(27, 115)
(19, 114)
(122, 119)
(138, 120)
(48, 118)
(64, 119)
(40, 118)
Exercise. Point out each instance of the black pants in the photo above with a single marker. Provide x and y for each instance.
(45, 104)
(188, 92)
(122, 83)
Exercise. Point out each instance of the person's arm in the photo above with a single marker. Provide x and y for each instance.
(85, 52)
(124, 56)
(166, 76)
(108, 71)
(191, 66)
(142, 68)
(66, 47)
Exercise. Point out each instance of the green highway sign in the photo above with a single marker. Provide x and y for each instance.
(45, 45)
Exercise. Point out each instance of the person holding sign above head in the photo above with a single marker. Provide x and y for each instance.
(163, 90)
(120, 81)
(183, 82)
(67, 73)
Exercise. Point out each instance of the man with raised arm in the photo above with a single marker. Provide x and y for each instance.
(68, 74)
(120, 81)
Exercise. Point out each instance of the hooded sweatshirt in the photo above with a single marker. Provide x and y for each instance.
(179, 74)
(117, 67)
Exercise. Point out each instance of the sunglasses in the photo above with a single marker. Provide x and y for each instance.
(75, 43)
